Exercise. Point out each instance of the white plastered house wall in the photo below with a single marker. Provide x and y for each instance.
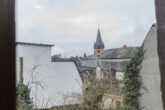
(52, 79)
(120, 75)
(151, 98)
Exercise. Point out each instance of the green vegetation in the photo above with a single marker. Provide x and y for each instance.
(124, 108)
(24, 101)
(132, 80)
(93, 95)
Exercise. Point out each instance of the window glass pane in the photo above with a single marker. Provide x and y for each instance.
(61, 42)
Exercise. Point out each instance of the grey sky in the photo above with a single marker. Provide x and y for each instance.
(72, 24)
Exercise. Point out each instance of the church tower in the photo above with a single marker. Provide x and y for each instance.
(99, 46)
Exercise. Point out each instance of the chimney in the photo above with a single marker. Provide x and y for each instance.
(85, 55)
(98, 73)
(124, 46)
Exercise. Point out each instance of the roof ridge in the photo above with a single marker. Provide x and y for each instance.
(34, 44)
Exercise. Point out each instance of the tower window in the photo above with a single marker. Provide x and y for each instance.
(98, 51)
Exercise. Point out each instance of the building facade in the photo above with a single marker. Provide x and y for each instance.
(48, 81)
(105, 65)
(150, 73)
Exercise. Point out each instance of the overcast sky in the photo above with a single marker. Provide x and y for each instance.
(71, 25)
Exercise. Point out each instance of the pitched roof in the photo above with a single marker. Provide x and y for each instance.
(118, 53)
(127, 52)
(117, 64)
(99, 43)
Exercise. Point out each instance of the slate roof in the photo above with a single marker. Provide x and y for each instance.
(118, 65)
(99, 43)
(118, 53)
(127, 52)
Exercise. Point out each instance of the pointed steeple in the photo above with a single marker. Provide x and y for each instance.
(99, 43)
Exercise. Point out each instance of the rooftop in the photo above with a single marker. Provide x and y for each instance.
(118, 53)
(34, 44)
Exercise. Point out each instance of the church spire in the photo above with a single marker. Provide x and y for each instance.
(99, 43)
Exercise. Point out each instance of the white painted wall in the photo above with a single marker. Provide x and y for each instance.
(120, 75)
(56, 78)
(151, 99)
(99, 74)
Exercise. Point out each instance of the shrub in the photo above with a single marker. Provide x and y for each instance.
(125, 108)
(24, 101)
(132, 80)
(93, 96)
